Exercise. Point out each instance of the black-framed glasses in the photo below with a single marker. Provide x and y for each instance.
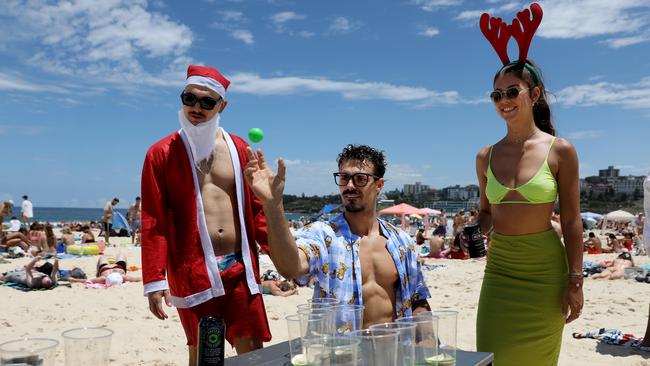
(358, 179)
(510, 93)
(190, 100)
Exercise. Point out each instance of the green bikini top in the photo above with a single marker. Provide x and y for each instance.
(541, 188)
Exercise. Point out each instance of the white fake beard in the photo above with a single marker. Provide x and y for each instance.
(202, 137)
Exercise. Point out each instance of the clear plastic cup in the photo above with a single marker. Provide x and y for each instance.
(310, 306)
(426, 338)
(347, 318)
(327, 313)
(29, 352)
(378, 347)
(301, 326)
(331, 351)
(87, 346)
(324, 300)
(406, 341)
(447, 331)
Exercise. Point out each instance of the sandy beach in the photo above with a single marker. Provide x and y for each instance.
(141, 339)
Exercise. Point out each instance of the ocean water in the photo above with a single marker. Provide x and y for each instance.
(67, 214)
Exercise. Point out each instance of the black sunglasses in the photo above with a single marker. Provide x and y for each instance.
(358, 179)
(190, 100)
(510, 93)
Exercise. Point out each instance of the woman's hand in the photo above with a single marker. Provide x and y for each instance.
(573, 301)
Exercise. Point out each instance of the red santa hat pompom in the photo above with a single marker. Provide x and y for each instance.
(209, 77)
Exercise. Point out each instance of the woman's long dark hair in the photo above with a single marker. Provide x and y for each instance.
(541, 109)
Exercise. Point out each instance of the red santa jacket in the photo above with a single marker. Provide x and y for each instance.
(177, 252)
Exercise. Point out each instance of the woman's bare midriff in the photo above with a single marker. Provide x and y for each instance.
(521, 219)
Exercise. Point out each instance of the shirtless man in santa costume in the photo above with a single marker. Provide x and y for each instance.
(200, 222)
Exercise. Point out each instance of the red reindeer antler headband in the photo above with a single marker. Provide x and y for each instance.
(522, 30)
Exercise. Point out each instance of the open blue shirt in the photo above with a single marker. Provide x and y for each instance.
(332, 251)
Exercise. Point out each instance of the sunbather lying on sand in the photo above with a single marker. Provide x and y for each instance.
(32, 278)
(111, 271)
(615, 269)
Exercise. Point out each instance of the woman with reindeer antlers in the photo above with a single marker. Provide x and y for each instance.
(533, 283)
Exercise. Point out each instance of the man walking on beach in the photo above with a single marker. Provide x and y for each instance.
(201, 223)
(27, 210)
(107, 218)
(133, 216)
(357, 258)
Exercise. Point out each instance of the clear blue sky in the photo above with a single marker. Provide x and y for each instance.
(87, 86)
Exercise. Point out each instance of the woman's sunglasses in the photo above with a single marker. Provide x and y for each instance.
(190, 100)
(510, 93)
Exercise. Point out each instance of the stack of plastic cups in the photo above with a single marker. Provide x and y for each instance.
(406, 341)
(331, 351)
(378, 347)
(302, 328)
(447, 328)
(347, 318)
(426, 335)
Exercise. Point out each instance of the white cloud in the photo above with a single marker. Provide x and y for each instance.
(281, 19)
(231, 16)
(633, 95)
(243, 35)
(627, 41)
(99, 40)
(342, 25)
(625, 21)
(17, 83)
(586, 135)
(249, 83)
(586, 18)
(429, 32)
(431, 5)
(306, 34)
(472, 16)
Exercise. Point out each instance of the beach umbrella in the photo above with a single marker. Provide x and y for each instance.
(429, 211)
(426, 212)
(619, 216)
(399, 210)
(592, 215)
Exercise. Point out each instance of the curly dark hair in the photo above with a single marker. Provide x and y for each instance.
(364, 153)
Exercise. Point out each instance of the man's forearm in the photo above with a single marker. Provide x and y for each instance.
(282, 246)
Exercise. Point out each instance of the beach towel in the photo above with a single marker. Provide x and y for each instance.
(609, 336)
(95, 285)
(21, 287)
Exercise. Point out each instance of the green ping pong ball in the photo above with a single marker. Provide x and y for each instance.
(255, 134)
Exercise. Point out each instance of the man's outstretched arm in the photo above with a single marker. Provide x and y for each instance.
(269, 188)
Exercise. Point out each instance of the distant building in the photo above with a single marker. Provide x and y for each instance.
(413, 189)
(628, 185)
(610, 172)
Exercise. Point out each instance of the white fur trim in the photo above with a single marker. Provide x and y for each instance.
(208, 83)
(155, 286)
(239, 186)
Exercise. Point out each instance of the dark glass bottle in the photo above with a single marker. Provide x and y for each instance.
(211, 341)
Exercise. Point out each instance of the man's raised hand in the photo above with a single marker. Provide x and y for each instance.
(266, 184)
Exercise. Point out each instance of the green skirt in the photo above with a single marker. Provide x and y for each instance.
(520, 308)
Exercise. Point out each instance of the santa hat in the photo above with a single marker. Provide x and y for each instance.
(209, 77)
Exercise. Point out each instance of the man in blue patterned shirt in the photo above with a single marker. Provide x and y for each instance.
(357, 257)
